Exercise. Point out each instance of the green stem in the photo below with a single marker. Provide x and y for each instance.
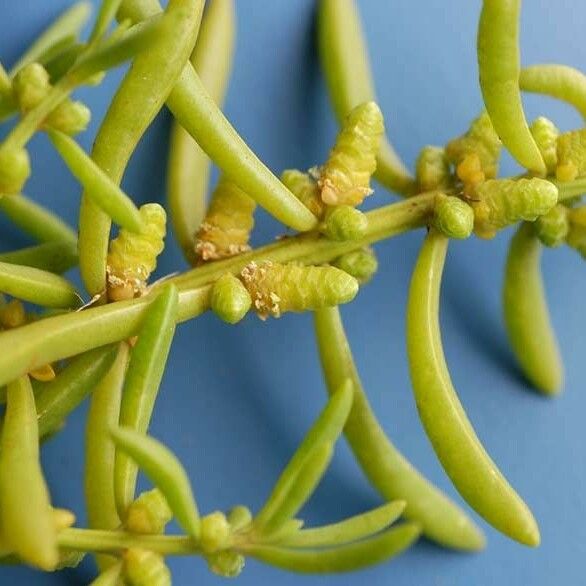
(384, 222)
(69, 334)
(115, 541)
(66, 335)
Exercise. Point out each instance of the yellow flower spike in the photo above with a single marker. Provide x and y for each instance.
(145, 568)
(215, 532)
(432, 169)
(133, 257)
(502, 202)
(552, 228)
(546, 133)
(571, 154)
(277, 288)
(480, 140)
(226, 228)
(30, 86)
(148, 514)
(345, 178)
(304, 187)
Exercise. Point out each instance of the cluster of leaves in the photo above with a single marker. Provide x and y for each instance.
(114, 347)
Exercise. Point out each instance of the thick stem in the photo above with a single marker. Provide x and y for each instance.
(114, 541)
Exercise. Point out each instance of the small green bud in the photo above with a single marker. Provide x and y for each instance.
(239, 517)
(31, 85)
(228, 564)
(15, 169)
(215, 531)
(453, 217)
(345, 223)
(145, 568)
(148, 514)
(70, 117)
(230, 300)
(553, 227)
(361, 264)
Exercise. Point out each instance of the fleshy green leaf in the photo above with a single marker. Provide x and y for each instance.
(26, 514)
(58, 398)
(37, 286)
(345, 558)
(54, 257)
(98, 186)
(143, 378)
(326, 429)
(349, 530)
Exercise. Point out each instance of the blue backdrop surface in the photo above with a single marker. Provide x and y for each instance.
(236, 400)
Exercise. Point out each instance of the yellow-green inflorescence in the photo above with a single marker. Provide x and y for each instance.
(502, 202)
(433, 169)
(226, 228)
(145, 568)
(546, 134)
(553, 228)
(345, 178)
(148, 514)
(278, 288)
(476, 154)
(304, 187)
(571, 155)
(133, 257)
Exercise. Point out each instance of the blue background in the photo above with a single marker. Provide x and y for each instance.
(236, 400)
